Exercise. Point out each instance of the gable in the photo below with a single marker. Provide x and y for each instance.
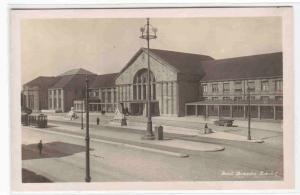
(161, 70)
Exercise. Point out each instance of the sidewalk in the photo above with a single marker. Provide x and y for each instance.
(190, 122)
(135, 139)
(187, 131)
(132, 124)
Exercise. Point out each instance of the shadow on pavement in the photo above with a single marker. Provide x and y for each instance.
(50, 150)
(31, 177)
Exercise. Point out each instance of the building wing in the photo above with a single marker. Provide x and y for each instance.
(246, 67)
(104, 81)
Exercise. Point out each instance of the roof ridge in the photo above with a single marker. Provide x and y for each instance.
(77, 71)
(176, 52)
(255, 55)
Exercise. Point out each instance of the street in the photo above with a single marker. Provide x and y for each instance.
(63, 157)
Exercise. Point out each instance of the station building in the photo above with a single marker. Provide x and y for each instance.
(182, 84)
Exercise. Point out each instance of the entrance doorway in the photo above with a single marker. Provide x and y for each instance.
(140, 109)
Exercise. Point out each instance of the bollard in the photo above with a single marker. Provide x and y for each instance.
(123, 122)
(159, 133)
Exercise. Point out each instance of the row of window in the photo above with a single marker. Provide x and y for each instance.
(103, 94)
(55, 101)
(54, 92)
(139, 93)
(238, 86)
(239, 98)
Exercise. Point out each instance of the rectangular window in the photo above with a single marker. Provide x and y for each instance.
(226, 98)
(59, 102)
(265, 98)
(238, 98)
(204, 88)
(252, 97)
(115, 96)
(54, 92)
(265, 85)
(109, 96)
(278, 85)
(31, 101)
(278, 98)
(50, 103)
(238, 86)
(226, 88)
(215, 88)
(54, 106)
(103, 97)
(214, 98)
(251, 85)
(59, 91)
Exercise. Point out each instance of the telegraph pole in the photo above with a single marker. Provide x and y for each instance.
(87, 135)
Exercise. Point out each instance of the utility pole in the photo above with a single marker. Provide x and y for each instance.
(87, 135)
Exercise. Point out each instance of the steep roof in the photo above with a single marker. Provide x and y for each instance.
(77, 71)
(105, 80)
(72, 80)
(247, 67)
(182, 62)
(74, 77)
(41, 81)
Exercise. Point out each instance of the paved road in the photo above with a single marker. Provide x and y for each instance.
(63, 160)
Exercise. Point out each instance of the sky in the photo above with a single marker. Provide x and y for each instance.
(50, 47)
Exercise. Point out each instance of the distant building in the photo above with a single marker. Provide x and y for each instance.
(35, 93)
(69, 86)
(182, 84)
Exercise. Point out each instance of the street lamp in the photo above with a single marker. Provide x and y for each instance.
(147, 34)
(249, 112)
(87, 135)
(82, 113)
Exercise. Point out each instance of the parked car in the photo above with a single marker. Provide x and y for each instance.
(224, 122)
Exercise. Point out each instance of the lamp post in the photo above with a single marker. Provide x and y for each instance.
(147, 36)
(87, 135)
(249, 113)
(82, 113)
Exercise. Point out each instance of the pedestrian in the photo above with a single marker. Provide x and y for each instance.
(205, 128)
(98, 120)
(40, 147)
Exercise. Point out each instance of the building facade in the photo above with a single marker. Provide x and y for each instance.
(70, 86)
(35, 93)
(226, 93)
(181, 84)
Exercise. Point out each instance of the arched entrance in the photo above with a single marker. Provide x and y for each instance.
(140, 93)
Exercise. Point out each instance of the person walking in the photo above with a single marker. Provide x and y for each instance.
(205, 129)
(40, 147)
(98, 121)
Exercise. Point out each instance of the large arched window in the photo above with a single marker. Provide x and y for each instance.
(140, 85)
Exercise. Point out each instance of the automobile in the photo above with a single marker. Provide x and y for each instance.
(224, 122)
